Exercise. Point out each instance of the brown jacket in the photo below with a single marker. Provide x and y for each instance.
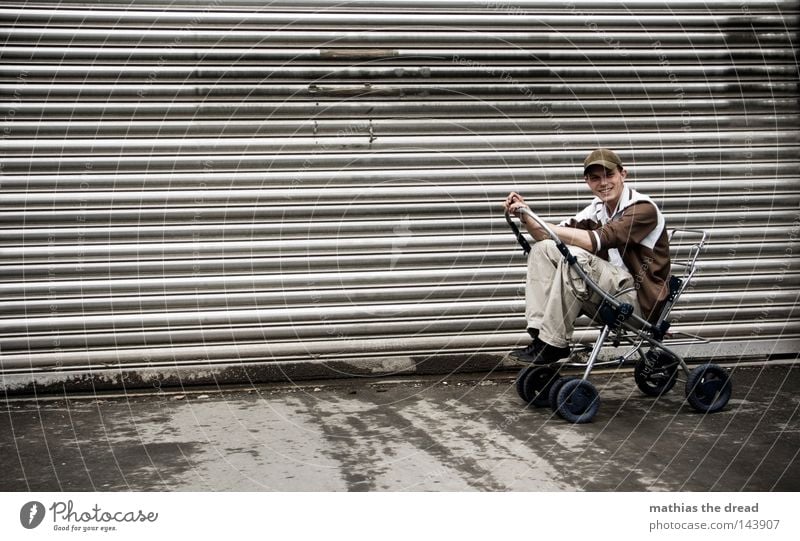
(634, 237)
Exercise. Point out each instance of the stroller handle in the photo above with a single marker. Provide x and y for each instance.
(539, 221)
(620, 307)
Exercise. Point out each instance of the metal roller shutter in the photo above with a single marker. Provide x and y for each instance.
(216, 191)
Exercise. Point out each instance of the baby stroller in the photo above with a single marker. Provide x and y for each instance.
(708, 387)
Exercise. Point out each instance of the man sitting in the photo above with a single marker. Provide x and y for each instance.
(619, 239)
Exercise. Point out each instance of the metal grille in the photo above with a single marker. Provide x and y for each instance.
(219, 191)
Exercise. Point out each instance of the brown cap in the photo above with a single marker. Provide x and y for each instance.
(602, 156)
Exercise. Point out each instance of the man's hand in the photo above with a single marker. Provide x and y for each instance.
(513, 202)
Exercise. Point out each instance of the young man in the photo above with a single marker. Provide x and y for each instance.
(619, 239)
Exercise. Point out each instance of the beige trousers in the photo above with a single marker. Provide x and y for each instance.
(555, 295)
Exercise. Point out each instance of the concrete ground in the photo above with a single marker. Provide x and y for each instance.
(462, 433)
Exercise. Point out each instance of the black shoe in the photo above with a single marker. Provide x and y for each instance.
(539, 352)
(529, 353)
(550, 354)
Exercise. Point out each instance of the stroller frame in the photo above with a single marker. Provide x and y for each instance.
(708, 387)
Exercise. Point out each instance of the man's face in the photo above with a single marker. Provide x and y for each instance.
(606, 184)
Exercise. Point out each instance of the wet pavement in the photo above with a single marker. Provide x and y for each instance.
(464, 433)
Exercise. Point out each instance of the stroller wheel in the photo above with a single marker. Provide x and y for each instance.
(655, 375)
(519, 384)
(536, 385)
(578, 401)
(552, 396)
(708, 388)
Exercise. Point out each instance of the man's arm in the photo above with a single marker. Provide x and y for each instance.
(568, 235)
